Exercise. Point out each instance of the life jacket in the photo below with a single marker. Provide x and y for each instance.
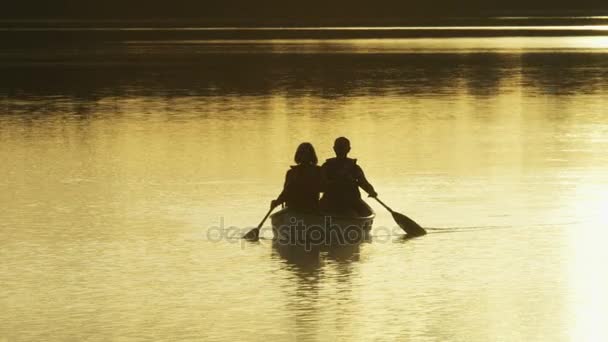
(342, 189)
(303, 187)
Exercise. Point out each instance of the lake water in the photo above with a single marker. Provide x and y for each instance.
(124, 163)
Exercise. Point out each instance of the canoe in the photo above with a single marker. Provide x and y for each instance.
(290, 227)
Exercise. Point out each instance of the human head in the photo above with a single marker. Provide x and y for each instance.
(305, 154)
(341, 147)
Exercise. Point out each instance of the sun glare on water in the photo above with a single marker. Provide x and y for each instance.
(588, 262)
(595, 42)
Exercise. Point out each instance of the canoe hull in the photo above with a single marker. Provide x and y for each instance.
(296, 228)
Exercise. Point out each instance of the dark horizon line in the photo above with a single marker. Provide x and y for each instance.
(513, 17)
(278, 11)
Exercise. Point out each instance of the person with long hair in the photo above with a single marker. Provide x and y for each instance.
(303, 182)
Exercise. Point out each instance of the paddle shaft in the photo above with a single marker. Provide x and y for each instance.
(254, 234)
(384, 205)
(264, 219)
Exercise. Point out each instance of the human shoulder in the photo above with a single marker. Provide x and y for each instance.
(293, 169)
(316, 170)
(302, 168)
(355, 165)
(329, 162)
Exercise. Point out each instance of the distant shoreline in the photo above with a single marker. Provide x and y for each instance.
(20, 32)
(502, 18)
(52, 35)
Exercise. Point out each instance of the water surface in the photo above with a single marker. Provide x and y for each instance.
(121, 158)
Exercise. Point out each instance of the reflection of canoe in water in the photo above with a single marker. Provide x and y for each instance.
(308, 259)
(296, 228)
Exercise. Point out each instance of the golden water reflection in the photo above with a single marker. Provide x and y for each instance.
(110, 182)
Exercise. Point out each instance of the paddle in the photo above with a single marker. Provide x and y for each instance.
(254, 234)
(408, 225)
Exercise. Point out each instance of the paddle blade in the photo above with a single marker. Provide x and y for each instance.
(252, 235)
(408, 225)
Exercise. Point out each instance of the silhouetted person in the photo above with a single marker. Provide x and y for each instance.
(302, 182)
(343, 178)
